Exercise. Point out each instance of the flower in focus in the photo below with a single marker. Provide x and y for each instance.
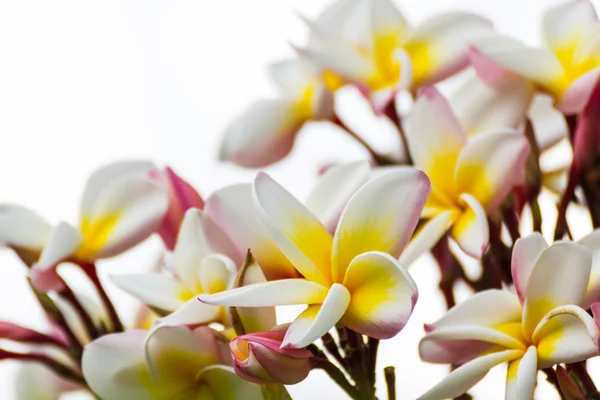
(179, 363)
(352, 277)
(121, 206)
(266, 131)
(195, 268)
(570, 65)
(469, 176)
(368, 43)
(538, 325)
(258, 358)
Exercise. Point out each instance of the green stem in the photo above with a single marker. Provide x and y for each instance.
(390, 381)
(337, 376)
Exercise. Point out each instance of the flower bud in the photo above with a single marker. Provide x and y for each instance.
(257, 358)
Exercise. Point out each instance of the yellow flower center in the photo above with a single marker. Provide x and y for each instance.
(95, 235)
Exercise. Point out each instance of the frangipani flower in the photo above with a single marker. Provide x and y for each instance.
(469, 178)
(353, 277)
(265, 132)
(121, 206)
(568, 69)
(180, 363)
(369, 43)
(259, 358)
(535, 328)
(195, 269)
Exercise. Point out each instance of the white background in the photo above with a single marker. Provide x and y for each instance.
(83, 83)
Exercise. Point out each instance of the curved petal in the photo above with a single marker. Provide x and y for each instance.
(471, 230)
(526, 252)
(21, 227)
(263, 134)
(466, 376)
(427, 236)
(435, 139)
(490, 165)
(383, 295)
(125, 213)
(290, 76)
(592, 243)
(224, 384)
(346, 61)
(539, 65)
(333, 189)
(381, 216)
(317, 320)
(216, 273)
(275, 293)
(37, 382)
(63, 241)
(480, 106)
(259, 319)
(233, 210)
(155, 289)
(297, 233)
(114, 368)
(549, 125)
(191, 247)
(521, 376)
(488, 308)
(193, 313)
(459, 344)
(566, 23)
(567, 334)
(438, 47)
(579, 92)
(560, 276)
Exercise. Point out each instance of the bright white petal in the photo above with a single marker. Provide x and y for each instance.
(592, 243)
(155, 289)
(466, 376)
(381, 216)
(521, 376)
(427, 236)
(566, 23)
(63, 241)
(233, 210)
(526, 252)
(317, 320)
(333, 189)
(192, 313)
(291, 76)
(560, 276)
(471, 230)
(549, 125)
(275, 293)
(21, 227)
(216, 273)
(344, 61)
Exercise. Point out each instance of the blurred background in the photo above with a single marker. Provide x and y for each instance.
(85, 83)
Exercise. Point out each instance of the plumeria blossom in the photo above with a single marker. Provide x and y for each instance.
(536, 326)
(195, 268)
(265, 132)
(122, 204)
(469, 176)
(352, 277)
(570, 64)
(368, 43)
(179, 363)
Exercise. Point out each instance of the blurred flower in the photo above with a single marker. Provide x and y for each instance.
(182, 196)
(266, 131)
(539, 326)
(37, 382)
(258, 358)
(353, 277)
(368, 43)
(570, 65)
(586, 143)
(121, 206)
(176, 362)
(469, 178)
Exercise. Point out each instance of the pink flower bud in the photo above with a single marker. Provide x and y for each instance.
(258, 358)
(182, 196)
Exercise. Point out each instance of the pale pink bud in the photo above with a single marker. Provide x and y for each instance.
(182, 196)
(258, 358)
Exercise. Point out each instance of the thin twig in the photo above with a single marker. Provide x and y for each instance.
(378, 159)
(86, 319)
(332, 348)
(390, 382)
(321, 361)
(92, 273)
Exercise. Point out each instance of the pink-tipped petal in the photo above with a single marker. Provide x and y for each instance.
(526, 252)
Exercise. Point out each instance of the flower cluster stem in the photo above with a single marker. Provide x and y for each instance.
(92, 273)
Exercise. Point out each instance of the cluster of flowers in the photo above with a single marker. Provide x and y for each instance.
(473, 169)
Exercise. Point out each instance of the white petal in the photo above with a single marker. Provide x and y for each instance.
(63, 241)
(592, 243)
(566, 23)
(216, 273)
(466, 376)
(291, 76)
(317, 320)
(275, 293)
(333, 189)
(345, 61)
(37, 382)
(549, 125)
(192, 313)
(560, 277)
(526, 252)
(427, 236)
(155, 289)
(22, 227)
(577, 95)
(381, 216)
(471, 230)
(233, 210)
(223, 381)
(521, 376)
